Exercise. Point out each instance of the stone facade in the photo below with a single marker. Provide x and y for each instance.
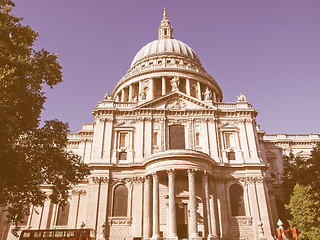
(170, 160)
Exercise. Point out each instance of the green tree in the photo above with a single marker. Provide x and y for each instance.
(301, 184)
(304, 207)
(30, 155)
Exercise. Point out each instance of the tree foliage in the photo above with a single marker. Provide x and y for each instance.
(301, 184)
(30, 155)
(304, 207)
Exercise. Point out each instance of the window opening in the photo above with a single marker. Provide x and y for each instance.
(63, 215)
(123, 139)
(236, 200)
(177, 138)
(197, 139)
(120, 201)
(155, 139)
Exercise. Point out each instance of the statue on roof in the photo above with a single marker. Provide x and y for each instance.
(175, 83)
(108, 96)
(242, 98)
(207, 94)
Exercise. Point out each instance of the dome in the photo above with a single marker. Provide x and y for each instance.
(165, 46)
(162, 66)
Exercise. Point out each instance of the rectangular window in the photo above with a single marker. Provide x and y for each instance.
(176, 136)
(229, 140)
(122, 156)
(123, 139)
(231, 155)
(155, 139)
(197, 142)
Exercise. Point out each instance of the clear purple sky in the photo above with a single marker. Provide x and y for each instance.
(269, 50)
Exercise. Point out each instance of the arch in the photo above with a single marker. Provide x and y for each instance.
(237, 200)
(120, 201)
(63, 215)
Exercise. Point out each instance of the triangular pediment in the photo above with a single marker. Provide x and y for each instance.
(176, 101)
(228, 125)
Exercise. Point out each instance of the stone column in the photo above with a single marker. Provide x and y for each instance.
(164, 87)
(147, 203)
(199, 90)
(130, 93)
(172, 234)
(205, 184)
(193, 228)
(155, 227)
(188, 86)
(122, 95)
(213, 209)
(151, 88)
(140, 90)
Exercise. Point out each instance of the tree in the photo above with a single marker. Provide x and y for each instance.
(301, 184)
(304, 207)
(30, 155)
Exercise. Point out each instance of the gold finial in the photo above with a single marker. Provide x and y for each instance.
(165, 14)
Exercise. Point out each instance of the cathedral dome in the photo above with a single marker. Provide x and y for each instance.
(165, 46)
(163, 66)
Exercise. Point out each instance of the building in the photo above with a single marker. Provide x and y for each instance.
(171, 160)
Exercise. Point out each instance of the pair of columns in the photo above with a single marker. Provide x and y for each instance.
(172, 224)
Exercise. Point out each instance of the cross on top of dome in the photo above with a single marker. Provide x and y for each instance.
(165, 30)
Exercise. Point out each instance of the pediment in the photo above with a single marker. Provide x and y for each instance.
(228, 125)
(176, 101)
(123, 124)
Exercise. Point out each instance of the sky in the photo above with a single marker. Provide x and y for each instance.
(268, 50)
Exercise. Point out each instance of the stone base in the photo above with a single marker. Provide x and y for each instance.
(211, 237)
(155, 237)
(172, 238)
(195, 238)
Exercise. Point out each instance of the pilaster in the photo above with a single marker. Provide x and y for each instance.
(107, 140)
(99, 132)
(252, 140)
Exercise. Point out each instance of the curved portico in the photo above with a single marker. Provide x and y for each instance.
(188, 165)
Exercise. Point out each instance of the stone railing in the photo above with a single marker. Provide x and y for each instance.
(226, 105)
(125, 104)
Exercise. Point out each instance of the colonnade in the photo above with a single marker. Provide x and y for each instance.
(136, 91)
(211, 231)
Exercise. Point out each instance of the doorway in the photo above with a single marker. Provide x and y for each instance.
(182, 220)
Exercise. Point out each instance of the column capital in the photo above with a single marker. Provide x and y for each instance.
(171, 171)
(191, 172)
(147, 178)
(155, 175)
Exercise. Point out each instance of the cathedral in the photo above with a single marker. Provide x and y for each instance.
(170, 160)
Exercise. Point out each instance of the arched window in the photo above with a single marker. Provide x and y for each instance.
(236, 200)
(63, 215)
(120, 201)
